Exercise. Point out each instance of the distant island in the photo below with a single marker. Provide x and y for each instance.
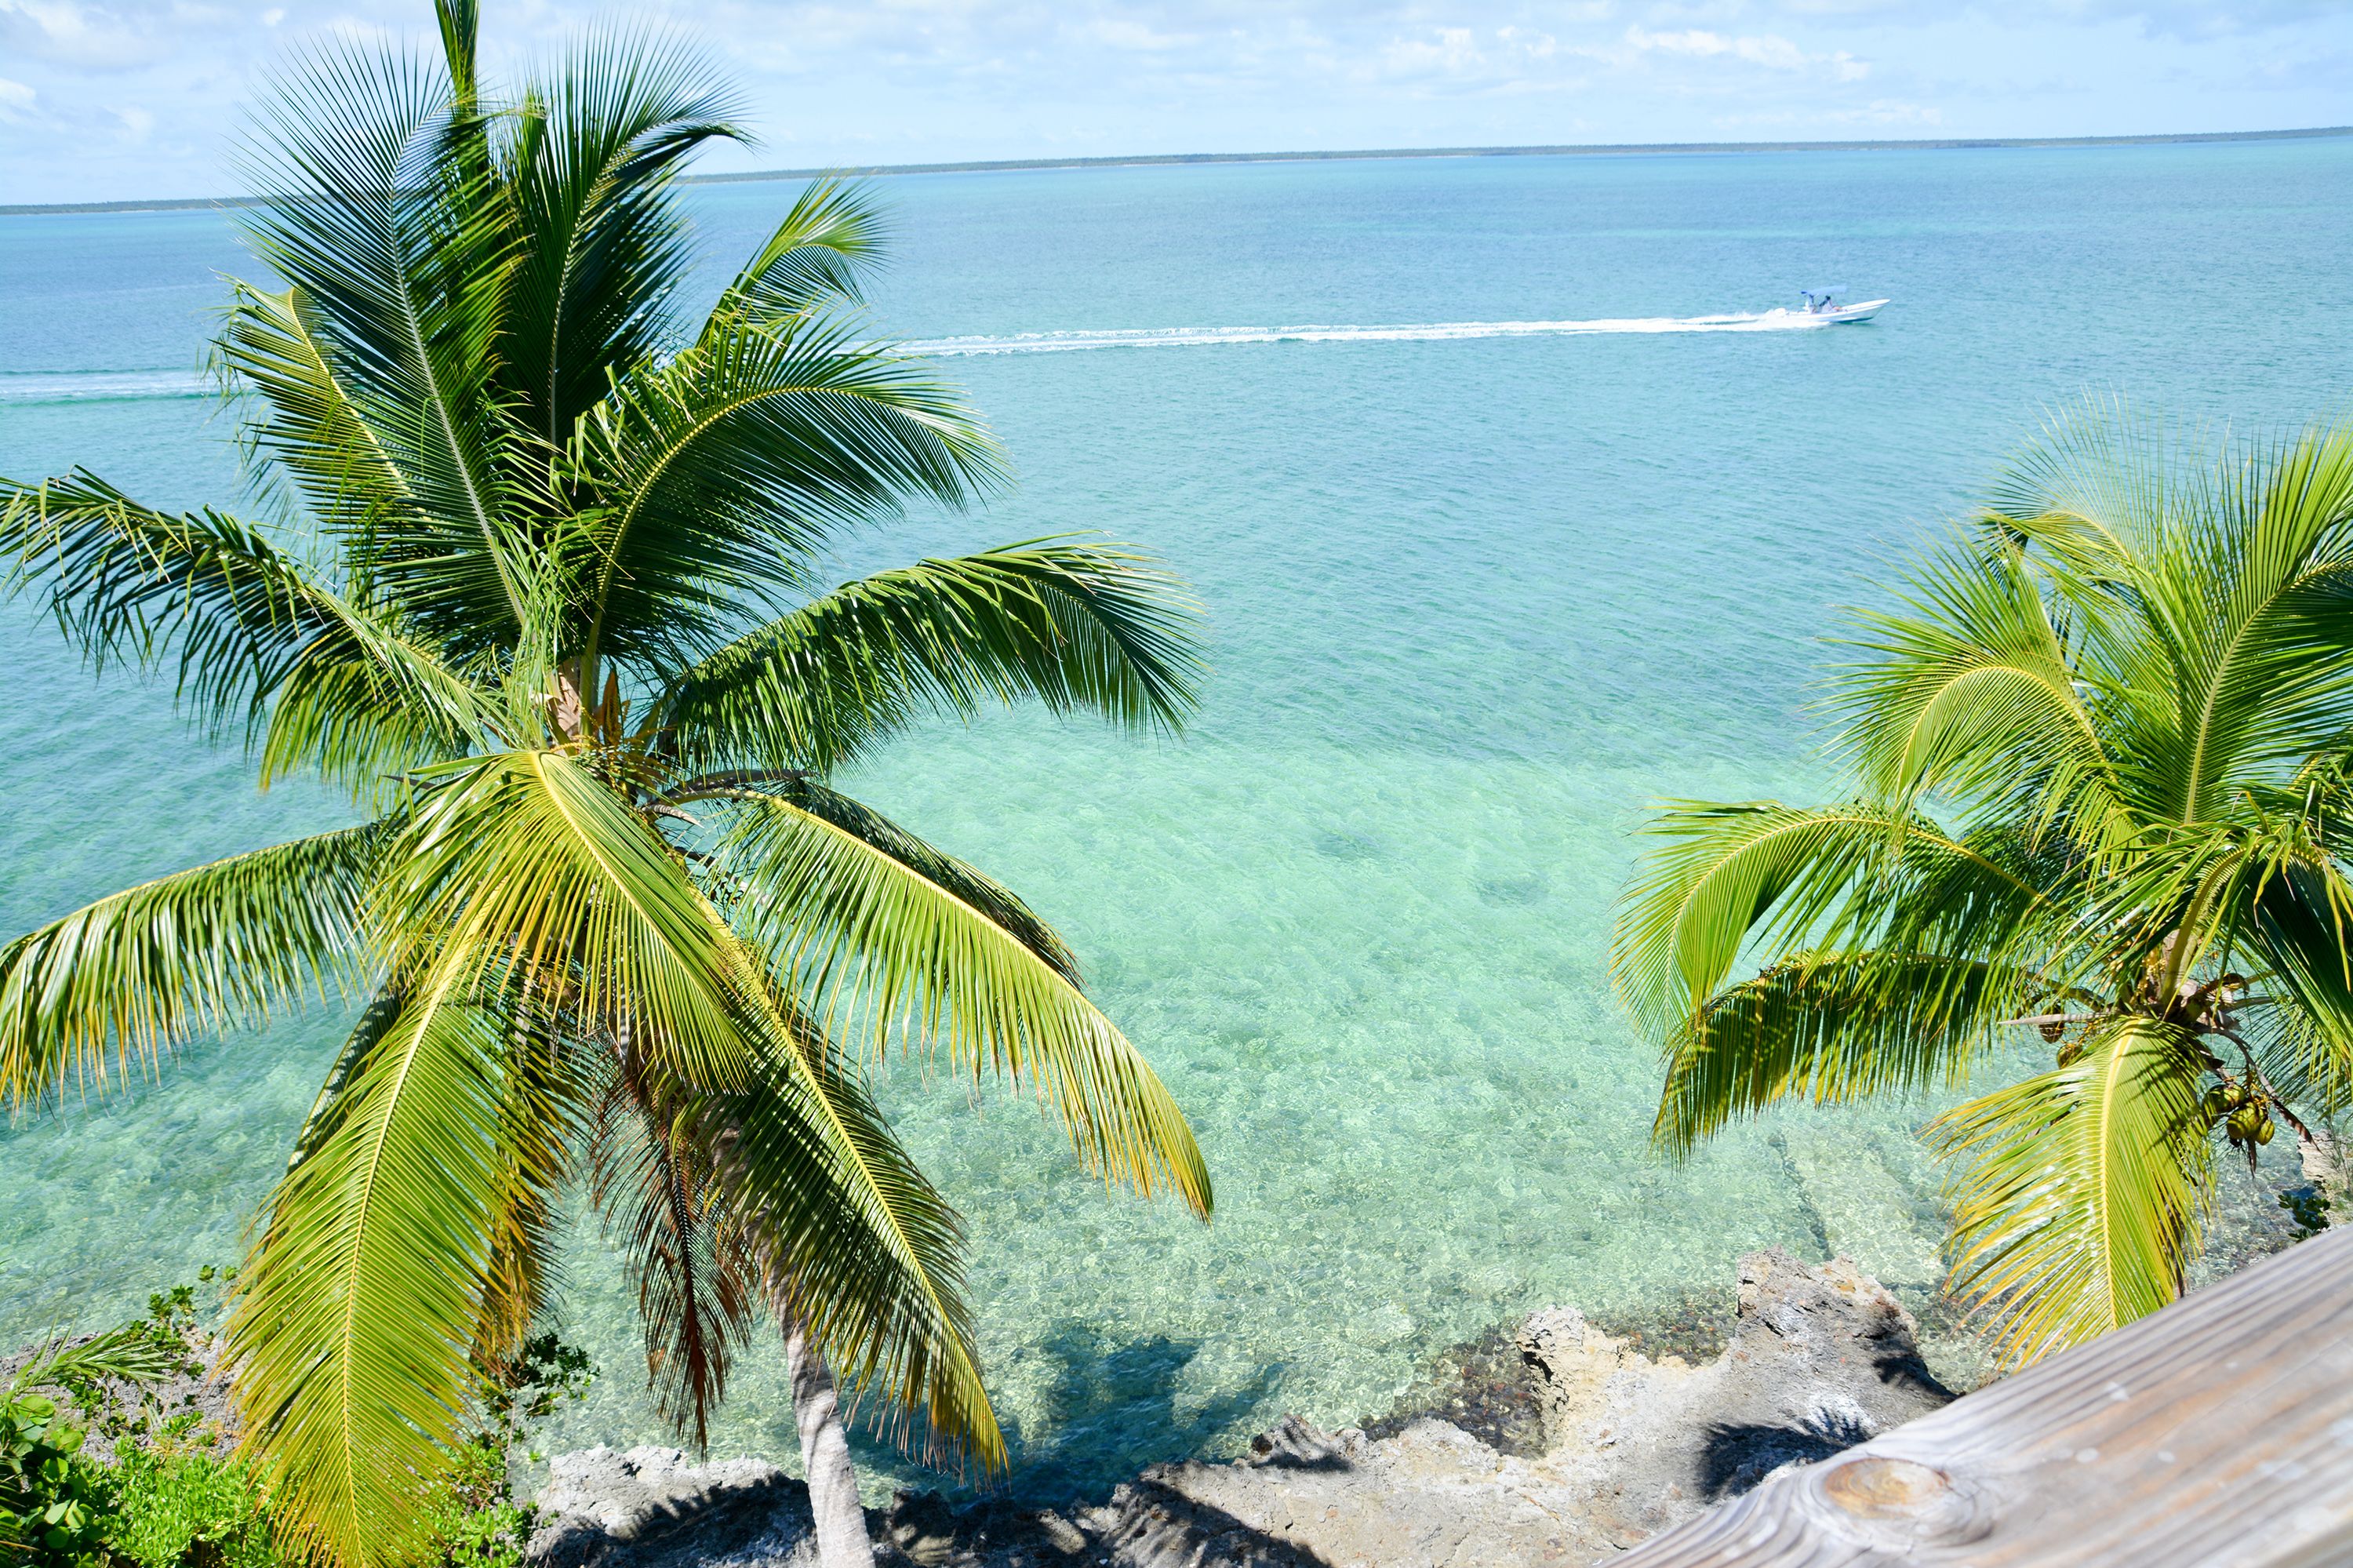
(1147, 160)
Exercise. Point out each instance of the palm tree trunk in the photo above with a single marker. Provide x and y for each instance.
(841, 1539)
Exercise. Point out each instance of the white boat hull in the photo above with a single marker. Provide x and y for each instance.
(1861, 312)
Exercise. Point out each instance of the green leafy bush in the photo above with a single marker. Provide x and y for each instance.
(187, 1509)
(54, 1504)
(475, 1518)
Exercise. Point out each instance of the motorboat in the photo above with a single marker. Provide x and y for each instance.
(1822, 305)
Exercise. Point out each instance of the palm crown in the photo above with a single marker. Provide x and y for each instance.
(2099, 761)
(554, 620)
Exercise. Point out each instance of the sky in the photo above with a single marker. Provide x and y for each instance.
(119, 100)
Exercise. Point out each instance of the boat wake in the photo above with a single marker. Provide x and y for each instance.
(98, 386)
(107, 386)
(1199, 337)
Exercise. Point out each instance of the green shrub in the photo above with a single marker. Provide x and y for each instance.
(187, 1509)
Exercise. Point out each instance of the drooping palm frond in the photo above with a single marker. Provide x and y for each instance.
(2082, 1189)
(250, 633)
(217, 946)
(851, 1241)
(1727, 879)
(957, 878)
(650, 1181)
(525, 862)
(889, 956)
(357, 1311)
(1834, 1028)
(1078, 627)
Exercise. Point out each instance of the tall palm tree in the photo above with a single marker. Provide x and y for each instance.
(2098, 756)
(550, 609)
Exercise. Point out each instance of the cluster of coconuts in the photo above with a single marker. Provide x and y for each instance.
(2247, 1122)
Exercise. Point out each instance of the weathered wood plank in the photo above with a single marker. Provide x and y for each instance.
(2216, 1433)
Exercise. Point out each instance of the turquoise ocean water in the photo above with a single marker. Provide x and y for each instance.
(1476, 593)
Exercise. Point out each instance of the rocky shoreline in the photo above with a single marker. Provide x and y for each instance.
(1583, 1449)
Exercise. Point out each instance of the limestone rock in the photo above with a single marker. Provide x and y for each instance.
(649, 1508)
(1820, 1358)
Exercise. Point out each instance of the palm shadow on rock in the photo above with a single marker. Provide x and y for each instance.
(1733, 1457)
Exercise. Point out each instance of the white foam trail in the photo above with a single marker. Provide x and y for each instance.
(1195, 337)
(97, 386)
(65, 386)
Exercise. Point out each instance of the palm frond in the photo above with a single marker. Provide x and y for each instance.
(652, 1184)
(724, 471)
(601, 240)
(1834, 1028)
(307, 425)
(2082, 1191)
(817, 260)
(1972, 694)
(851, 1241)
(1725, 879)
(216, 947)
(527, 863)
(887, 954)
(958, 878)
(357, 1311)
(1074, 626)
(377, 208)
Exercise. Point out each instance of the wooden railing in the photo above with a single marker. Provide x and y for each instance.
(2216, 1433)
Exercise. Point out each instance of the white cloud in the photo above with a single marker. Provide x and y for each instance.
(922, 80)
(16, 101)
(1770, 50)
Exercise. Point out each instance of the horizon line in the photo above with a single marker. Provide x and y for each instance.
(1151, 160)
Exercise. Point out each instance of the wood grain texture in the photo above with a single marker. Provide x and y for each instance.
(2215, 1433)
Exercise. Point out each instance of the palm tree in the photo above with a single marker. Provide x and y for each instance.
(550, 609)
(2098, 759)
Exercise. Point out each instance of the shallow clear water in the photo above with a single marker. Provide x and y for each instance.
(1476, 595)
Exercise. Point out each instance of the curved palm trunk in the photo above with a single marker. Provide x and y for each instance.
(842, 1539)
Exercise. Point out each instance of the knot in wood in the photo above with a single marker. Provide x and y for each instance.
(1889, 1501)
(1884, 1489)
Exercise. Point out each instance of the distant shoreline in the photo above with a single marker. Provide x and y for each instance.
(1149, 160)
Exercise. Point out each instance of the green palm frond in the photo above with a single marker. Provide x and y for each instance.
(357, 1311)
(887, 954)
(1972, 693)
(1078, 627)
(1833, 1029)
(851, 1241)
(1726, 879)
(307, 429)
(390, 233)
(602, 242)
(2082, 1189)
(216, 947)
(815, 260)
(727, 467)
(525, 860)
(957, 878)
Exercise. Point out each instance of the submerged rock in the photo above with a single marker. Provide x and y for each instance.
(1817, 1360)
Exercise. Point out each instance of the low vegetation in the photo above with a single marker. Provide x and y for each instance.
(98, 1471)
